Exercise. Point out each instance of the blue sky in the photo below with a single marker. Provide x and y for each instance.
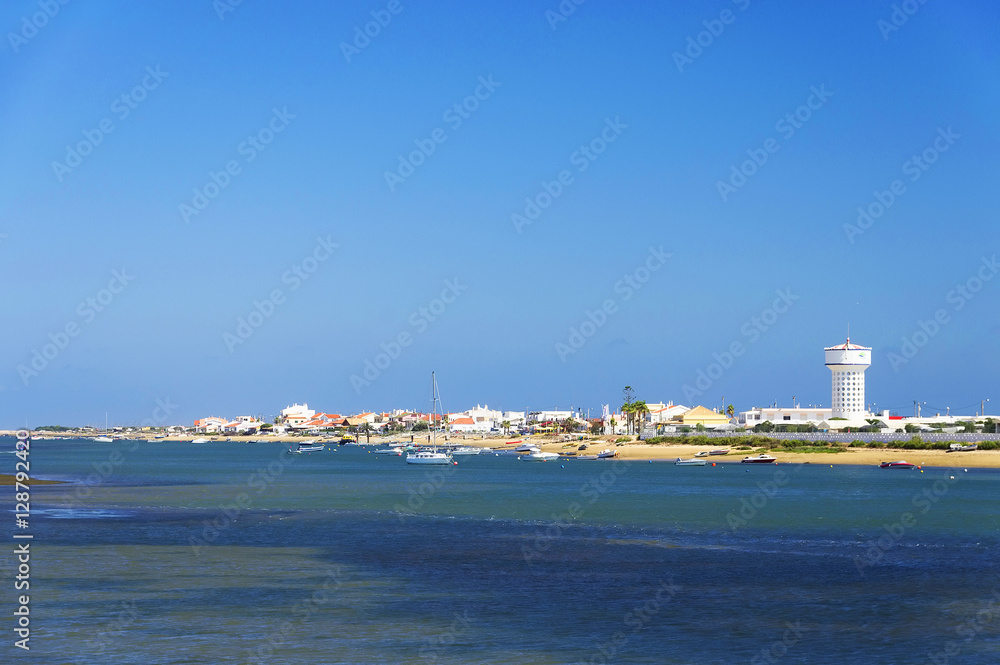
(200, 89)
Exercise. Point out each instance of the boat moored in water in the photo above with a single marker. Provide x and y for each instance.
(900, 464)
(689, 462)
(539, 457)
(763, 458)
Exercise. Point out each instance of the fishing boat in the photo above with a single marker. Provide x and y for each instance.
(586, 458)
(539, 457)
(607, 452)
(703, 453)
(900, 464)
(763, 458)
(689, 462)
(431, 456)
(307, 447)
(720, 451)
(466, 450)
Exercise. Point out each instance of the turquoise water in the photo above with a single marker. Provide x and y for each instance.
(238, 553)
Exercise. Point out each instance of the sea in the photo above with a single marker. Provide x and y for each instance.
(165, 552)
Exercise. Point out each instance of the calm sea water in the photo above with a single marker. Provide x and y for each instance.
(238, 553)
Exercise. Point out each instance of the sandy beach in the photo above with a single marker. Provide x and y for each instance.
(639, 451)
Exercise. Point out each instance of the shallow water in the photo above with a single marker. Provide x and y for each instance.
(226, 552)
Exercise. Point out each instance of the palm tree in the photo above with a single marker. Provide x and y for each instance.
(367, 429)
(639, 410)
(506, 427)
(730, 410)
(613, 423)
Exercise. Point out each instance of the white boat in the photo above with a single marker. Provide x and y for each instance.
(308, 447)
(703, 453)
(466, 450)
(103, 439)
(526, 448)
(428, 457)
(389, 451)
(539, 457)
(431, 456)
(720, 451)
(763, 458)
(689, 462)
(607, 452)
(199, 440)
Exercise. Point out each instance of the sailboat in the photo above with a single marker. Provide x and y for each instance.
(431, 456)
(105, 438)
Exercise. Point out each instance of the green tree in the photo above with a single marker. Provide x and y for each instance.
(506, 427)
(628, 409)
(730, 410)
(367, 429)
(639, 411)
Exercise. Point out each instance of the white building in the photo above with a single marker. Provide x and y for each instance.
(848, 363)
(545, 416)
(784, 416)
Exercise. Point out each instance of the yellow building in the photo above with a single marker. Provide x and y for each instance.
(699, 415)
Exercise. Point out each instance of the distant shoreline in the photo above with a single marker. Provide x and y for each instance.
(639, 451)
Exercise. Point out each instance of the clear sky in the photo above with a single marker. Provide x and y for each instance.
(480, 180)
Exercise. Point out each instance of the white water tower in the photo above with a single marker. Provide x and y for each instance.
(848, 363)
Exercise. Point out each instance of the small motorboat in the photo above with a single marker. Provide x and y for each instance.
(307, 447)
(606, 453)
(526, 448)
(703, 453)
(763, 458)
(901, 464)
(720, 451)
(689, 462)
(398, 452)
(428, 457)
(466, 450)
(959, 448)
(199, 440)
(539, 457)
(586, 458)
